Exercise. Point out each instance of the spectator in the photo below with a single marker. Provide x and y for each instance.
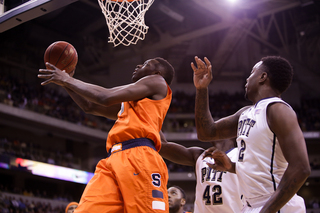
(71, 207)
(177, 199)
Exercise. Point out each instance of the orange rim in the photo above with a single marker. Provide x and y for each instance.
(124, 0)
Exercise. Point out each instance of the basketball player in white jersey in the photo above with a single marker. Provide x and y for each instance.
(216, 191)
(272, 162)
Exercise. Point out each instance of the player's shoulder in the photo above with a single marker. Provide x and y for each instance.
(155, 86)
(240, 111)
(276, 107)
(153, 77)
(267, 102)
(153, 80)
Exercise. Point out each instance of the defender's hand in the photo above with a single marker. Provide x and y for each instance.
(202, 74)
(221, 160)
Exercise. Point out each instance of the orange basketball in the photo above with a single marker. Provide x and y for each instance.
(62, 55)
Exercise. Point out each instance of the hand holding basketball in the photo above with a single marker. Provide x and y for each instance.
(53, 75)
(62, 55)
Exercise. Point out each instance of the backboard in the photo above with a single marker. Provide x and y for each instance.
(28, 11)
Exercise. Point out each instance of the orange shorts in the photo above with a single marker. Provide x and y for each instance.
(129, 181)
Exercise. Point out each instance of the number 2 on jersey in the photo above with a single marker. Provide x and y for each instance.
(241, 151)
(216, 195)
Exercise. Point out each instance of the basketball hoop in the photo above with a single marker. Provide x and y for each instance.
(125, 20)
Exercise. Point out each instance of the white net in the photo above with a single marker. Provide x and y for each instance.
(125, 20)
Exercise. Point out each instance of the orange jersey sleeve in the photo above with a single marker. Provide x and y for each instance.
(140, 119)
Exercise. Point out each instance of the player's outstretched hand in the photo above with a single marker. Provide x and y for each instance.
(221, 160)
(202, 73)
(53, 75)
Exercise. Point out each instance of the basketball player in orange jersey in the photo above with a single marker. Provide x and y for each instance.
(133, 178)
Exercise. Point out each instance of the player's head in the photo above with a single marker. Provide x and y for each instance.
(71, 207)
(177, 198)
(276, 69)
(167, 69)
(154, 66)
(279, 71)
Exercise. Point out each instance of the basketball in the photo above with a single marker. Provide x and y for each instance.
(62, 55)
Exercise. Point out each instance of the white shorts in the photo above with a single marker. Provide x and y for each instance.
(295, 204)
(248, 209)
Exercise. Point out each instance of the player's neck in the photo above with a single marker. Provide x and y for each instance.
(265, 93)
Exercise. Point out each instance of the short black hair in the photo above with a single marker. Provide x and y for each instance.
(169, 70)
(181, 190)
(280, 72)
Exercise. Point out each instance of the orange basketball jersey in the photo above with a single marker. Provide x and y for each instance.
(140, 119)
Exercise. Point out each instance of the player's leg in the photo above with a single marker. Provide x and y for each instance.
(143, 182)
(102, 193)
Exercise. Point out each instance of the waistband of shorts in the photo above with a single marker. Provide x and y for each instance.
(257, 201)
(131, 144)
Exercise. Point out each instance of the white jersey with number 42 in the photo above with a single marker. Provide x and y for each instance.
(216, 191)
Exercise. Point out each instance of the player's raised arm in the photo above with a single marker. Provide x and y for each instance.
(149, 86)
(93, 108)
(55, 75)
(207, 128)
(151, 80)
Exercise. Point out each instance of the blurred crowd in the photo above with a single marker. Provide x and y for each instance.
(44, 100)
(313, 204)
(32, 151)
(12, 205)
(27, 202)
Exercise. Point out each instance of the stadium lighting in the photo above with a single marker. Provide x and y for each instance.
(233, 1)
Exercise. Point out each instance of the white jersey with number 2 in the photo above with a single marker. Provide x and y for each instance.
(261, 163)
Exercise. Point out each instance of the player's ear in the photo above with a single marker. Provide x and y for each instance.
(183, 201)
(263, 77)
(157, 72)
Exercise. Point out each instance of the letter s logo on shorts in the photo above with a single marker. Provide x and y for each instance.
(156, 179)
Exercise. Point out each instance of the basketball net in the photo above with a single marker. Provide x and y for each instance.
(125, 20)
